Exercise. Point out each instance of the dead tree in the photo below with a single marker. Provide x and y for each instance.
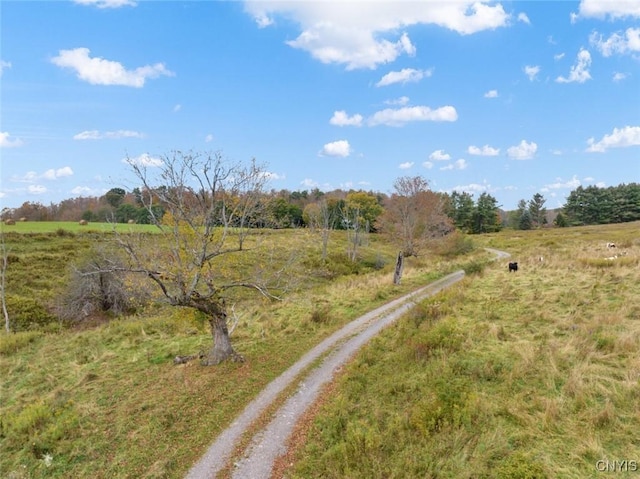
(191, 259)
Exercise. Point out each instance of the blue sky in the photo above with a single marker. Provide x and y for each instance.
(511, 98)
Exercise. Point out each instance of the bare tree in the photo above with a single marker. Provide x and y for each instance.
(319, 216)
(203, 197)
(414, 215)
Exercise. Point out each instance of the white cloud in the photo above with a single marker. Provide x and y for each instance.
(309, 183)
(269, 175)
(611, 8)
(7, 142)
(36, 189)
(143, 160)
(99, 71)
(580, 70)
(486, 150)
(558, 56)
(336, 148)
(522, 17)
(439, 155)
(531, 71)
(619, 138)
(177, 108)
(406, 75)
(110, 135)
(456, 165)
(473, 188)
(86, 191)
(51, 174)
(340, 118)
(360, 36)
(559, 184)
(428, 165)
(629, 42)
(208, 138)
(107, 3)
(59, 173)
(619, 76)
(400, 116)
(406, 165)
(4, 65)
(403, 100)
(491, 94)
(523, 151)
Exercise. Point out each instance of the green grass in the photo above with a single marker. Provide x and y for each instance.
(107, 401)
(527, 375)
(62, 227)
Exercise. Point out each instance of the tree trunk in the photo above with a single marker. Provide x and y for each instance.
(222, 350)
(397, 275)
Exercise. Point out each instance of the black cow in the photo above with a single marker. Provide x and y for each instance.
(513, 267)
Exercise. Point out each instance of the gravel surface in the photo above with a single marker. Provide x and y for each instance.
(269, 443)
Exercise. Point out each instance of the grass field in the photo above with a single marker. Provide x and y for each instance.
(533, 374)
(108, 402)
(72, 227)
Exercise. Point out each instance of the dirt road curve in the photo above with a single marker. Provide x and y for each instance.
(258, 459)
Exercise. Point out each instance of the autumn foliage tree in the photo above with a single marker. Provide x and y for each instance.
(205, 199)
(413, 216)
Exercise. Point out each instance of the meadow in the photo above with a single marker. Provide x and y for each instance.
(105, 399)
(529, 374)
(534, 374)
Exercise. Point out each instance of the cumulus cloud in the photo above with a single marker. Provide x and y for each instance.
(428, 165)
(612, 9)
(7, 142)
(619, 138)
(99, 71)
(406, 75)
(473, 188)
(3, 66)
(486, 150)
(558, 56)
(456, 165)
(86, 191)
(401, 116)
(620, 43)
(208, 138)
(522, 151)
(50, 174)
(491, 94)
(439, 155)
(59, 173)
(561, 184)
(269, 176)
(144, 160)
(111, 135)
(406, 165)
(309, 183)
(346, 33)
(531, 71)
(337, 148)
(580, 70)
(340, 118)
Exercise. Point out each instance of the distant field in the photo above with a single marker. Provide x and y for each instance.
(71, 226)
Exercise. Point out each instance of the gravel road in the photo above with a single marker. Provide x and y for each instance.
(258, 459)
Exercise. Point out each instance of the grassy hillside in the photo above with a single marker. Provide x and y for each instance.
(107, 401)
(534, 374)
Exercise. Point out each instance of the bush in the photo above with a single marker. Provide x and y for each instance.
(95, 287)
(27, 313)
